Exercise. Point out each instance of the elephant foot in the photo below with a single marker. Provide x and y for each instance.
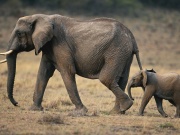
(79, 112)
(123, 112)
(36, 108)
(115, 110)
(164, 115)
(140, 114)
(125, 105)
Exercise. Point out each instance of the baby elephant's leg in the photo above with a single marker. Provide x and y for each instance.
(149, 91)
(159, 106)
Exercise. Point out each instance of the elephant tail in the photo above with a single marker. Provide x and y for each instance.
(136, 51)
(138, 59)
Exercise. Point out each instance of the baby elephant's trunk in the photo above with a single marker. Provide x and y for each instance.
(129, 90)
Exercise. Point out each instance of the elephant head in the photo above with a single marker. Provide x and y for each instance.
(30, 32)
(138, 80)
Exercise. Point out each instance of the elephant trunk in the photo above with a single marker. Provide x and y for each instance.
(11, 64)
(129, 90)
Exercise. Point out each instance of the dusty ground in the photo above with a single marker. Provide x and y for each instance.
(158, 38)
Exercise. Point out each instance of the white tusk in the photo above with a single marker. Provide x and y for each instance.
(6, 53)
(3, 61)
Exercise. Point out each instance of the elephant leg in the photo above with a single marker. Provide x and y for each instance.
(149, 91)
(177, 115)
(122, 84)
(70, 83)
(159, 106)
(125, 75)
(116, 109)
(109, 77)
(177, 103)
(46, 71)
(123, 80)
(122, 99)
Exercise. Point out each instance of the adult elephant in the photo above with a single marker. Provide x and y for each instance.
(98, 49)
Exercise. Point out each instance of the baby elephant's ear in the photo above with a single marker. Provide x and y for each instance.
(144, 74)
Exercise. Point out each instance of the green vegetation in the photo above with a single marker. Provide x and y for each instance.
(166, 125)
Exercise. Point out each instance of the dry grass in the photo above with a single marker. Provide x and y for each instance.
(49, 118)
(158, 40)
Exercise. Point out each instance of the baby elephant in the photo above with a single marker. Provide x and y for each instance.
(166, 86)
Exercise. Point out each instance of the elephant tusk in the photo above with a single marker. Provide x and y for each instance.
(3, 61)
(6, 53)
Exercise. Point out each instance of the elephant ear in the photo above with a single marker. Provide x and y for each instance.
(144, 74)
(43, 32)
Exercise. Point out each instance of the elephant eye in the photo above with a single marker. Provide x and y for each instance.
(18, 34)
(30, 25)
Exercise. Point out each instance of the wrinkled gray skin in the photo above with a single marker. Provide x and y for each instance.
(97, 49)
(166, 86)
